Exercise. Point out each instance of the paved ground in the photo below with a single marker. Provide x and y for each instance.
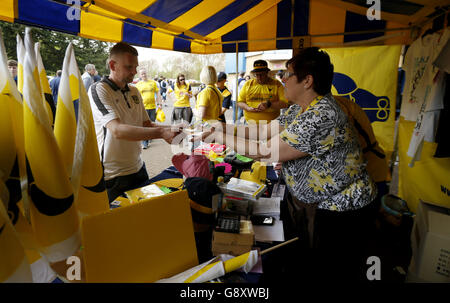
(159, 155)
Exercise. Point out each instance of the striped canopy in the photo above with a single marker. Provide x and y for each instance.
(212, 26)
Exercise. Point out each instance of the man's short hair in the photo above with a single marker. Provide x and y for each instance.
(122, 48)
(12, 63)
(59, 73)
(242, 74)
(89, 67)
(314, 62)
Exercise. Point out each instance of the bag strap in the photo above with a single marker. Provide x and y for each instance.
(218, 97)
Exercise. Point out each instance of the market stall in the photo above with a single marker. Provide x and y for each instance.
(205, 27)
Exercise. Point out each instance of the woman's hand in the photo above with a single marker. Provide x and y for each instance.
(253, 109)
(262, 106)
(180, 126)
(204, 136)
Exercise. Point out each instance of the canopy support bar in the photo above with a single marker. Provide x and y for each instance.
(156, 29)
(319, 35)
(235, 114)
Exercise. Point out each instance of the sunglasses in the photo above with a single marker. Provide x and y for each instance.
(181, 79)
(287, 75)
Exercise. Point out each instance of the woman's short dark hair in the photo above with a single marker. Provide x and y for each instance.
(314, 62)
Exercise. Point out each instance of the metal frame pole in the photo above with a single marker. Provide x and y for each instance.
(237, 85)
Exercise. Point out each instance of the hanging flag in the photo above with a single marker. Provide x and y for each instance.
(14, 267)
(16, 108)
(53, 214)
(48, 97)
(11, 120)
(374, 91)
(215, 268)
(20, 58)
(65, 123)
(12, 155)
(8, 152)
(87, 173)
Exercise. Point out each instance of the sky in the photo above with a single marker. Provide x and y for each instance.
(158, 54)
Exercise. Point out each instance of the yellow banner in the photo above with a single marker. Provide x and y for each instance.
(429, 179)
(368, 76)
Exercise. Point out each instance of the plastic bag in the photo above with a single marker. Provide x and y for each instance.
(160, 116)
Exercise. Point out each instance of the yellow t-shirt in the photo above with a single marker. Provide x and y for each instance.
(211, 98)
(254, 94)
(182, 100)
(148, 89)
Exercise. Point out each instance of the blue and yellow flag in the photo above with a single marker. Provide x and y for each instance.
(65, 123)
(87, 172)
(20, 59)
(14, 266)
(215, 268)
(12, 140)
(12, 153)
(53, 214)
(45, 86)
(368, 76)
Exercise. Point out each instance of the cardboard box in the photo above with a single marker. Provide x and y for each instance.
(430, 241)
(234, 250)
(234, 244)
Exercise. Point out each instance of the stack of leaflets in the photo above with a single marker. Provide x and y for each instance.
(243, 189)
(144, 193)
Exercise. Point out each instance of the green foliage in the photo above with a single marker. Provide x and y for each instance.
(184, 63)
(53, 47)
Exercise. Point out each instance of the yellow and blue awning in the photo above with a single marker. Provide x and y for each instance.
(212, 26)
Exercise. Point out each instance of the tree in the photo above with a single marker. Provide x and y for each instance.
(151, 66)
(53, 47)
(191, 64)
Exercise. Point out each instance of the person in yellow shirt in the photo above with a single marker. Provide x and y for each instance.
(209, 100)
(263, 97)
(182, 107)
(149, 89)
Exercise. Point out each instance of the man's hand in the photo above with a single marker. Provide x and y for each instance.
(168, 134)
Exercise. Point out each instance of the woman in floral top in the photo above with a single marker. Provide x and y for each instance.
(331, 194)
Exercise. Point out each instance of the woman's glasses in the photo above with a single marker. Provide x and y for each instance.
(287, 75)
(181, 80)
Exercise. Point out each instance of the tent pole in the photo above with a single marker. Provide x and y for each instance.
(236, 86)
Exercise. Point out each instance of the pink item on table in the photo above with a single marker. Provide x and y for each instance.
(228, 167)
(192, 166)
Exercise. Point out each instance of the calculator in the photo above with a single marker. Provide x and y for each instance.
(229, 223)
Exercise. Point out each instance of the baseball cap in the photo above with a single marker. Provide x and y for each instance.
(192, 166)
(260, 66)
